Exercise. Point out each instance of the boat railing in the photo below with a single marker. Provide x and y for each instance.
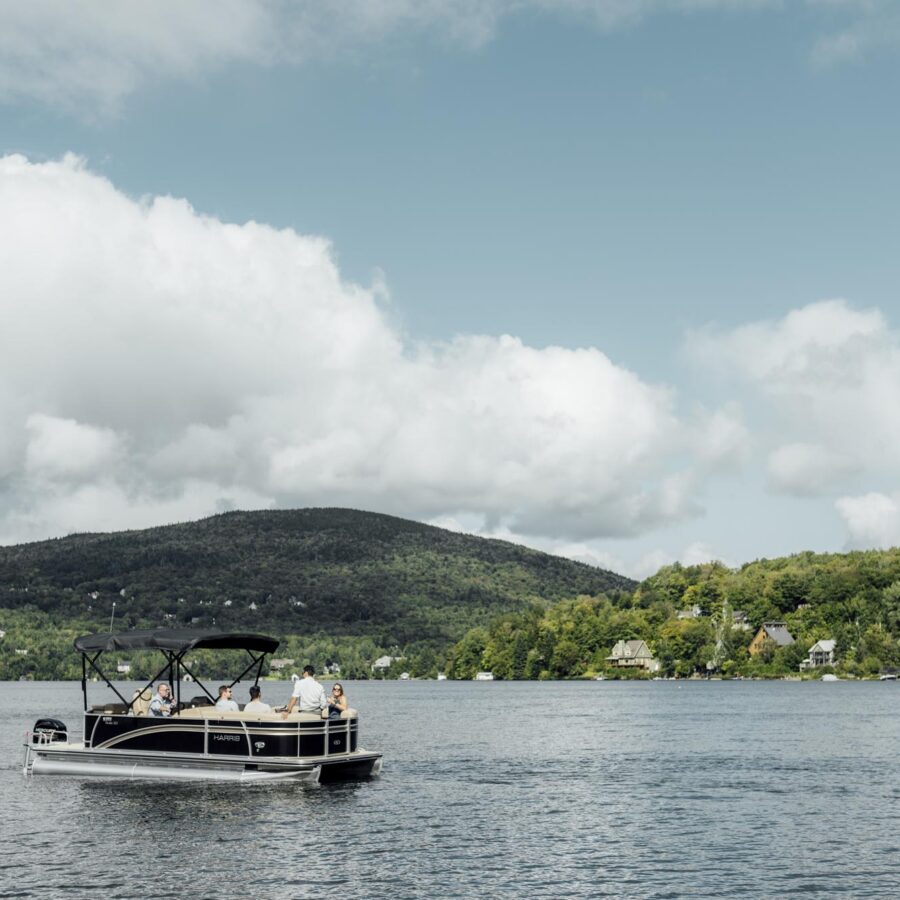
(211, 712)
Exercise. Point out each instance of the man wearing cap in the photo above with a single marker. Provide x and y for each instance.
(308, 694)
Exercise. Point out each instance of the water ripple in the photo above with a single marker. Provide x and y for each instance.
(639, 790)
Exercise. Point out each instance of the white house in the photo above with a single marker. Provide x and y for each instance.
(820, 654)
(123, 668)
(383, 662)
(693, 613)
(632, 654)
(278, 664)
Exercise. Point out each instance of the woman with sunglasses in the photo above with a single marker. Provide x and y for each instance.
(337, 702)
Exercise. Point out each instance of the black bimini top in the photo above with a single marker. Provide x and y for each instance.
(177, 640)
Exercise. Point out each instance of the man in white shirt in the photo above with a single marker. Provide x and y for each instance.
(309, 693)
(256, 705)
(225, 702)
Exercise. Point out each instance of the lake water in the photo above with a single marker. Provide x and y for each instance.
(601, 789)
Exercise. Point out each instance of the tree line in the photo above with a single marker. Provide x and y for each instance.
(851, 598)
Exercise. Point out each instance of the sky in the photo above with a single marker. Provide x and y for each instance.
(616, 279)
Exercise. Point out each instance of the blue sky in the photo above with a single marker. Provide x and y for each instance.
(683, 220)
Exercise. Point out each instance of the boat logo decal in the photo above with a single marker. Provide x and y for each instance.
(259, 745)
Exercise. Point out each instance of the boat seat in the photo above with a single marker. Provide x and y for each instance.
(140, 705)
(210, 712)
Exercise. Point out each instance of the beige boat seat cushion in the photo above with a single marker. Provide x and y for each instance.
(210, 712)
(140, 705)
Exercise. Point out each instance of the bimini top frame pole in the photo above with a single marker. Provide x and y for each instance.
(173, 644)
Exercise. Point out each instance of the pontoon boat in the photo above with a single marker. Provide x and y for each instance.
(197, 741)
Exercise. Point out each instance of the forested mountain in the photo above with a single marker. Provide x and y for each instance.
(703, 617)
(333, 573)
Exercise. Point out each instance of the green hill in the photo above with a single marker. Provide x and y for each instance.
(330, 572)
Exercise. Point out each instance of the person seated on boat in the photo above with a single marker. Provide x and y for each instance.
(256, 705)
(162, 703)
(337, 702)
(225, 701)
(308, 695)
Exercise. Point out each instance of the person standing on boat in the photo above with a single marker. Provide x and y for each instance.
(225, 702)
(256, 705)
(309, 695)
(162, 703)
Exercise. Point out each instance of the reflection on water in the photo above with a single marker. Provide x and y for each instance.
(493, 789)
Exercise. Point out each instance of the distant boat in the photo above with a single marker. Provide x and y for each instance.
(404, 676)
(829, 677)
(484, 676)
(888, 676)
(441, 676)
(599, 678)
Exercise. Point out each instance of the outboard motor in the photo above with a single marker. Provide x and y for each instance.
(47, 731)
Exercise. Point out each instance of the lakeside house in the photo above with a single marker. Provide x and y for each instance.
(771, 631)
(820, 654)
(383, 663)
(632, 655)
(693, 613)
(278, 664)
(123, 668)
(739, 620)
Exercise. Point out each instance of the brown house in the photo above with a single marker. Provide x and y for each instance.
(771, 631)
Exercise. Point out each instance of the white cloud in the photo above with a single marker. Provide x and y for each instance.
(806, 470)
(637, 566)
(721, 439)
(827, 377)
(96, 53)
(694, 554)
(68, 450)
(105, 504)
(828, 339)
(154, 359)
(90, 56)
(870, 26)
(872, 520)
